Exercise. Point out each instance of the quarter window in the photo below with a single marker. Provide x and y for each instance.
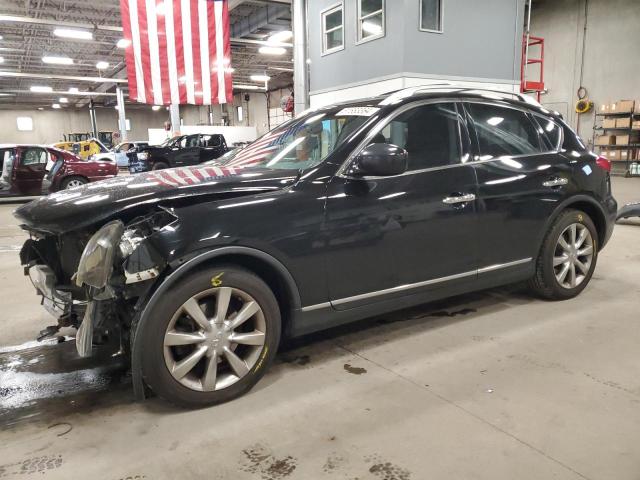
(431, 15)
(332, 30)
(503, 131)
(370, 19)
(429, 134)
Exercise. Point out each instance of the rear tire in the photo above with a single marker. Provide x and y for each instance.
(72, 182)
(238, 356)
(159, 166)
(567, 258)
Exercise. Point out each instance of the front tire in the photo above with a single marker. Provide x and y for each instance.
(567, 258)
(212, 339)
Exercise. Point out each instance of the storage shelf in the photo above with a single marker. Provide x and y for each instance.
(630, 145)
(618, 114)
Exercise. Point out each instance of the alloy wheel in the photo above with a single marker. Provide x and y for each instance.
(75, 183)
(214, 339)
(573, 255)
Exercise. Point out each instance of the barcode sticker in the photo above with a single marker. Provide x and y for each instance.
(358, 111)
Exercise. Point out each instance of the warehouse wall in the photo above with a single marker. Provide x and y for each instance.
(480, 41)
(50, 125)
(611, 59)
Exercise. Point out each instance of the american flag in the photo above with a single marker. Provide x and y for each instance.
(178, 51)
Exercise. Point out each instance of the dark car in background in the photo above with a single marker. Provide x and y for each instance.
(36, 170)
(179, 151)
(345, 212)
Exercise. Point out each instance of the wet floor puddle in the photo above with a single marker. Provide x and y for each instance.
(47, 381)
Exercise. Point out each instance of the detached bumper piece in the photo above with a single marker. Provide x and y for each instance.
(629, 210)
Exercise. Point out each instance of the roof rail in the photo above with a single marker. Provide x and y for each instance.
(399, 95)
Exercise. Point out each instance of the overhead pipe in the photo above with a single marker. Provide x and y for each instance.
(47, 76)
(300, 66)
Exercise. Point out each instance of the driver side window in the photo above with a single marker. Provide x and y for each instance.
(34, 156)
(429, 134)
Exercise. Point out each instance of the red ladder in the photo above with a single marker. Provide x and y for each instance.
(530, 86)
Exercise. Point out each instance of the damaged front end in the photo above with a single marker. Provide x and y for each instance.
(91, 280)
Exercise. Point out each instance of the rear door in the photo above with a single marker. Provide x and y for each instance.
(399, 235)
(30, 170)
(212, 147)
(521, 179)
(188, 152)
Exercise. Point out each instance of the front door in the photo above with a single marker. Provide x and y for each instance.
(188, 151)
(394, 236)
(30, 170)
(521, 180)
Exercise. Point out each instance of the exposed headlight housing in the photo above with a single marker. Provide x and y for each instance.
(96, 263)
(143, 156)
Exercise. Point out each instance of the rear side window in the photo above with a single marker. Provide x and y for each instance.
(503, 131)
(550, 132)
(429, 134)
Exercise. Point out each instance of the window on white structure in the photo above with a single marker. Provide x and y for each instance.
(431, 15)
(332, 29)
(370, 20)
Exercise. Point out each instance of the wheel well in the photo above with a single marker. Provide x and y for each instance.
(75, 175)
(596, 215)
(269, 274)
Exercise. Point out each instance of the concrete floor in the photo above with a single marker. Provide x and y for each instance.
(494, 385)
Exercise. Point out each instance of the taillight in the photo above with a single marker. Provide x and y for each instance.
(603, 163)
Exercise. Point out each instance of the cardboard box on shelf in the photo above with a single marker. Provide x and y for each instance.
(609, 122)
(613, 155)
(606, 140)
(624, 155)
(622, 106)
(636, 125)
(604, 108)
(624, 122)
(627, 139)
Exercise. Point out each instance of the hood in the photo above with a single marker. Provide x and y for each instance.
(92, 203)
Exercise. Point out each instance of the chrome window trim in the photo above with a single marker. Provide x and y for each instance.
(323, 14)
(411, 286)
(359, 38)
(428, 30)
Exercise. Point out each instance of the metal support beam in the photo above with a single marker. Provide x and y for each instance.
(92, 117)
(300, 66)
(4, 73)
(174, 115)
(122, 119)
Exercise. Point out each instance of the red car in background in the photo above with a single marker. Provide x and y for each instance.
(37, 170)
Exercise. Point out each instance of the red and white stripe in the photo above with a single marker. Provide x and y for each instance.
(179, 51)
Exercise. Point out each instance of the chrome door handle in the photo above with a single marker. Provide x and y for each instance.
(467, 197)
(555, 182)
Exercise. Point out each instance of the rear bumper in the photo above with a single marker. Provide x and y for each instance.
(610, 210)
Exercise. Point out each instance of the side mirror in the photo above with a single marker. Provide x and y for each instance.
(380, 160)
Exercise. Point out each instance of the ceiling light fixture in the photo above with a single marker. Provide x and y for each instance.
(57, 60)
(280, 37)
(260, 78)
(41, 89)
(1, 59)
(247, 87)
(123, 43)
(55, 105)
(63, 100)
(72, 33)
(73, 90)
(272, 50)
(155, 108)
(102, 65)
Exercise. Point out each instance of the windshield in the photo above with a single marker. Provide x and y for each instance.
(170, 141)
(301, 143)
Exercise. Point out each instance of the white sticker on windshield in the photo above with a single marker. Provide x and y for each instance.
(358, 111)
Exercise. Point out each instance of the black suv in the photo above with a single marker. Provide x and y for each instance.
(179, 151)
(345, 212)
